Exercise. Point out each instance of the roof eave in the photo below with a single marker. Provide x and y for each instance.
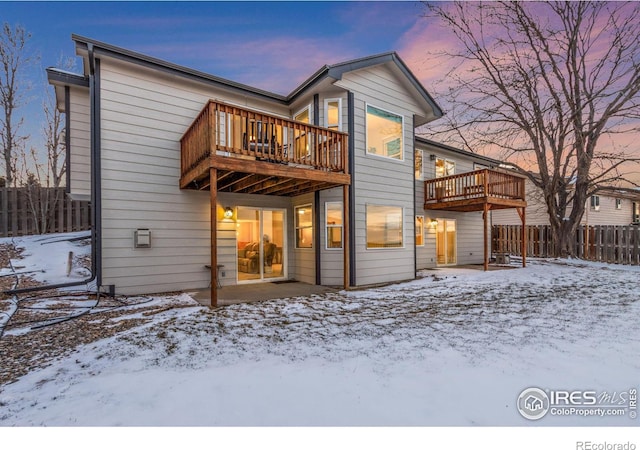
(446, 147)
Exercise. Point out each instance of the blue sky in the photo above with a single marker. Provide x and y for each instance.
(270, 45)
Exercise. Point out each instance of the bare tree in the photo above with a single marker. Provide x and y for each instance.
(13, 59)
(554, 87)
(44, 179)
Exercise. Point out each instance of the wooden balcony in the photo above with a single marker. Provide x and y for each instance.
(257, 153)
(471, 191)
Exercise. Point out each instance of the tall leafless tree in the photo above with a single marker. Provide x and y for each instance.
(554, 86)
(43, 179)
(13, 60)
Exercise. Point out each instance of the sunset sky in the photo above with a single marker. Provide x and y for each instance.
(269, 45)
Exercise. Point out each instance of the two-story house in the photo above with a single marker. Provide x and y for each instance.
(617, 207)
(188, 171)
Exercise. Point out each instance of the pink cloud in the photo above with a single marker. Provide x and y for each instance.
(276, 64)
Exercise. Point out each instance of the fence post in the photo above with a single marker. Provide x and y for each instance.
(23, 213)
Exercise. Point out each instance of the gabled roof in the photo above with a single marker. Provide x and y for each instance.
(484, 159)
(334, 71)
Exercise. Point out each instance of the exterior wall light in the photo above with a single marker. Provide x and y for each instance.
(228, 213)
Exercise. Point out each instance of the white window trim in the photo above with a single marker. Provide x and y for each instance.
(618, 203)
(421, 177)
(296, 227)
(309, 112)
(327, 226)
(404, 239)
(422, 232)
(326, 115)
(366, 143)
(594, 202)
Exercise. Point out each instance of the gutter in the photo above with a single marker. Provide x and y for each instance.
(96, 206)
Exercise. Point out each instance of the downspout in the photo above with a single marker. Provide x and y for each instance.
(96, 254)
(67, 136)
(316, 201)
(352, 189)
(415, 245)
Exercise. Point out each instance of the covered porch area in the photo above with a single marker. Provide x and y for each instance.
(229, 149)
(481, 190)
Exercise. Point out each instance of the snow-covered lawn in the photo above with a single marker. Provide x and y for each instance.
(455, 347)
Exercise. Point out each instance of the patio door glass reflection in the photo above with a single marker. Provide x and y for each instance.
(260, 240)
(446, 242)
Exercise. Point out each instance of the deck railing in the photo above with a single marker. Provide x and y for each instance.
(474, 185)
(226, 130)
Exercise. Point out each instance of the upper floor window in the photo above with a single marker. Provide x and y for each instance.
(303, 115)
(384, 133)
(635, 217)
(332, 114)
(419, 169)
(444, 168)
(595, 202)
(618, 203)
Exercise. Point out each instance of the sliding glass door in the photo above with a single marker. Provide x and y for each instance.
(261, 244)
(446, 242)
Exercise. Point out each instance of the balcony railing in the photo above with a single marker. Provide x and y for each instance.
(230, 131)
(474, 185)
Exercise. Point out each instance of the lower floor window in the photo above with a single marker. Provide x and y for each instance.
(304, 226)
(384, 226)
(334, 224)
(419, 230)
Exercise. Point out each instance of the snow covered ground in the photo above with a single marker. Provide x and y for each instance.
(456, 347)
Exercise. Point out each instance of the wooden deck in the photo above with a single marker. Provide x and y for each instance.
(257, 153)
(233, 149)
(480, 190)
(471, 191)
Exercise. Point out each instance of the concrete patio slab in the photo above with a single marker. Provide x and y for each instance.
(249, 293)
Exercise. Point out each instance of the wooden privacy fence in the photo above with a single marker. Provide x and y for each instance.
(605, 243)
(39, 210)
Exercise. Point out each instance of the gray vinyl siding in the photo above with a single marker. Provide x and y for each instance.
(469, 225)
(80, 137)
(305, 258)
(143, 116)
(536, 211)
(332, 260)
(608, 214)
(379, 180)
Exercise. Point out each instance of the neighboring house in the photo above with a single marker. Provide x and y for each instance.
(606, 208)
(317, 186)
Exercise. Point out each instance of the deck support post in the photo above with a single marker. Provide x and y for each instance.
(213, 174)
(485, 218)
(345, 235)
(523, 235)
